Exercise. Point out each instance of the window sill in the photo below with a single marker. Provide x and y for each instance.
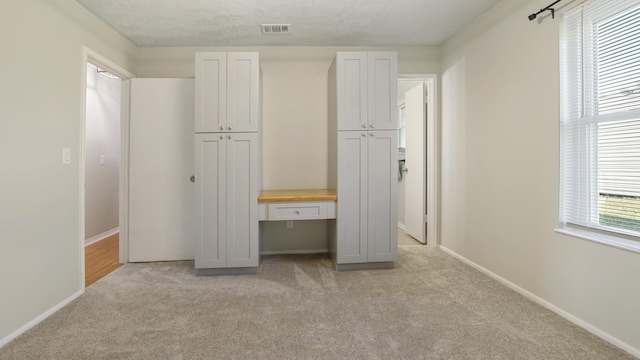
(613, 241)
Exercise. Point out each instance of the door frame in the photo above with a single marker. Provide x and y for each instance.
(432, 158)
(91, 57)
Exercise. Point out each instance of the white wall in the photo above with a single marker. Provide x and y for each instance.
(102, 139)
(294, 119)
(41, 70)
(500, 114)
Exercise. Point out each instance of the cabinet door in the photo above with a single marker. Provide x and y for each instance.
(382, 214)
(383, 90)
(211, 217)
(351, 92)
(242, 200)
(211, 92)
(352, 197)
(243, 78)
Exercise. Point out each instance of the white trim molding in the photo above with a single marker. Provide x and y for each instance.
(39, 319)
(102, 236)
(540, 301)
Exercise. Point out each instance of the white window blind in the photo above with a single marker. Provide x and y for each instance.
(600, 117)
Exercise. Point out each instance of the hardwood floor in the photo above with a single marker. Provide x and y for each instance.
(100, 259)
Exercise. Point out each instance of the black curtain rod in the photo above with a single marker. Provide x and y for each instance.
(548, 8)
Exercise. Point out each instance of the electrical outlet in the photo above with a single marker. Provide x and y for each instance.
(289, 224)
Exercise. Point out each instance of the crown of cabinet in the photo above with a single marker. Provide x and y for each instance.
(227, 92)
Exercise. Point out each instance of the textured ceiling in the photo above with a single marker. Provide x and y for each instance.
(159, 23)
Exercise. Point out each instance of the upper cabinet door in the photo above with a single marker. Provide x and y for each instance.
(383, 90)
(243, 76)
(351, 92)
(211, 92)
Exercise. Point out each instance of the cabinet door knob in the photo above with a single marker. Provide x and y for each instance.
(372, 126)
(297, 212)
(229, 137)
(372, 134)
(364, 126)
(363, 135)
(221, 128)
(229, 128)
(221, 137)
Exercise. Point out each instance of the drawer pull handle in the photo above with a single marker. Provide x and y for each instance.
(297, 212)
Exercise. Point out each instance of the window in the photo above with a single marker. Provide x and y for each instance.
(600, 118)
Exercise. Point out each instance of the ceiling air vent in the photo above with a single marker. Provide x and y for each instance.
(276, 28)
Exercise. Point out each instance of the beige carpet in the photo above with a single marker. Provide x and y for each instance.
(430, 307)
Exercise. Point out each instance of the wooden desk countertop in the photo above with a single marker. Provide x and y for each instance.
(297, 195)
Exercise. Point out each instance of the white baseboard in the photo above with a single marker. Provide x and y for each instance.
(296, 252)
(102, 236)
(38, 319)
(529, 295)
(401, 226)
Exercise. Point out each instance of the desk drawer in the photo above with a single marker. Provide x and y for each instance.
(307, 210)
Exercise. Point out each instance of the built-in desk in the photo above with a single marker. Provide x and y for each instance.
(278, 205)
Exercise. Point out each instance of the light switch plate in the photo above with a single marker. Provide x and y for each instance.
(66, 156)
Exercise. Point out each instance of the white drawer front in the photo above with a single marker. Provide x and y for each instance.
(297, 210)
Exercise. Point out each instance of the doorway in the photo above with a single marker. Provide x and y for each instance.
(103, 163)
(417, 158)
(101, 173)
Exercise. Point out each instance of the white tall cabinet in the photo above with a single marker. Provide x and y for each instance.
(363, 159)
(227, 162)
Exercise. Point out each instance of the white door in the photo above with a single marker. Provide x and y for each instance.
(415, 178)
(161, 197)
(382, 188)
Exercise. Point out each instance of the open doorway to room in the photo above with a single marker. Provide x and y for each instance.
(101, 173)
(104, 167)
(417, 160)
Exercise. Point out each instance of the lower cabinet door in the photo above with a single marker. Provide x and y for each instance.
(352, 197)
(242, 200)
(211, 213)
(382, 213)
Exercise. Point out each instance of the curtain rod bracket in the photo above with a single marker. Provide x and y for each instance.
(548, 8)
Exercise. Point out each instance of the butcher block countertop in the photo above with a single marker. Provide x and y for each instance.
(297, 195)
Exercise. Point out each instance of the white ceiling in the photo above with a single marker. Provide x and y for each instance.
(160, 23)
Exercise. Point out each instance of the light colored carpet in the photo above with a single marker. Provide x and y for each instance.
(430, 307)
